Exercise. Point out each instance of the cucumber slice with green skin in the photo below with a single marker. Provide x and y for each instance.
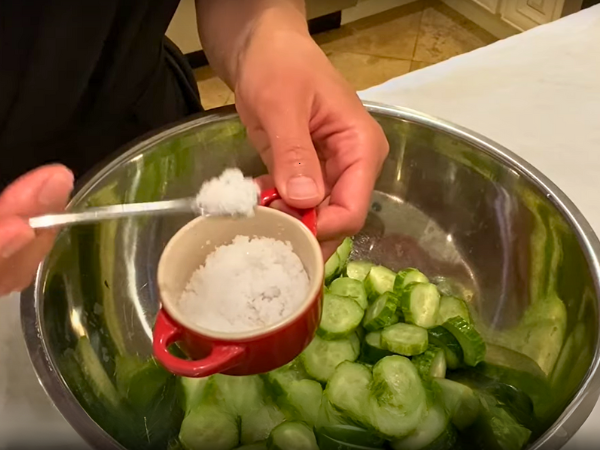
(257, 424)
(405, 339)
(348, 391)
(513, 368)
(372, 349)
(398, 397)
(515, 401)
(434, 431)
(292, 436)
(379, 281)
(469, 339)
(391, 399)
(420, 304)
(340, 317)
(453, 307)
(349, 287)
(321, 357)
(303, 401)
(257, 446)
(496, 429)
(328, 443)
(338, 426)
(209, 427)
(431, 364)
(332, 268)
(193, 389)
(406, 277)
(351, 435)
(461, 403)
(358, 270)
(443, 338)
(381, 313)
(343, 251)
(278, 381)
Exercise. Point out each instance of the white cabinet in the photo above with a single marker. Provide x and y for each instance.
(525, 14)
(504, 18)
(492, 6)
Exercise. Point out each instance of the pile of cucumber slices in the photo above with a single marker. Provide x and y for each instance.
(394, 365)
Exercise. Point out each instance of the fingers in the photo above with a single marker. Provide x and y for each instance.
(293, 161)
(43, 190)
(40, 191)
(349, 201)
(328, 248)
(15, 235)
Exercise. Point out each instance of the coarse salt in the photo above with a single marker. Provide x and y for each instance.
(246, 285)
(230, 193)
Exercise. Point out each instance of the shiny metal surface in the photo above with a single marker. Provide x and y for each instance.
(459, 207)
(92, 215)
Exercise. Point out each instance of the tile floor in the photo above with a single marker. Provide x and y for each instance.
(375, 49)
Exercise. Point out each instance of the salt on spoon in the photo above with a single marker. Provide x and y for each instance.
(229, 194)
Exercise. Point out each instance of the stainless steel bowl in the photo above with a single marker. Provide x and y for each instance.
(448, 201)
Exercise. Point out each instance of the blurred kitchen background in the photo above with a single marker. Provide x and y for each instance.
(371, 41)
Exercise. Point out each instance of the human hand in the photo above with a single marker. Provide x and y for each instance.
(40, 191)
(321, 146)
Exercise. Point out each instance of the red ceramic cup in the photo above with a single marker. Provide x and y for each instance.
(245, 353)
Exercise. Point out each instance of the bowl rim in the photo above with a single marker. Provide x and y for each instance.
(312, 295)
(65, 401)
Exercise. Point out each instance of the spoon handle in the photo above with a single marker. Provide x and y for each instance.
(91, 215)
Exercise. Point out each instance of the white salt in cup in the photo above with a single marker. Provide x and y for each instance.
(243, 353)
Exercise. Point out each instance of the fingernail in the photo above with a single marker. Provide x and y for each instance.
(56, 189)
(14, 246)
(302, 188)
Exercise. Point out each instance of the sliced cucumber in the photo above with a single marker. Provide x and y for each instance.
(349, 287)
(431, 363)
(209, 427)
(381, 313)
(404, 339)
(443, 338)
(515, 401)
(349, 436)
(398, 398)
(257, 446)
(278, 380)
(372, 349)
(343, 251)
(292, 436)
(379, 281)
(340, 317)
(420, 304)
(358, 270)
(460, 401)
(435, 428)
(469, 339)
(326, 442)
(257, 423)
(348, 390)
(453, 307)
(332, 268)
(240, 394)
(496, 429)
(192, 388)
(406, 277)
(304, 400)
(321, 357)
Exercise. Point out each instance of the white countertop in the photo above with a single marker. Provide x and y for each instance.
(542, 95)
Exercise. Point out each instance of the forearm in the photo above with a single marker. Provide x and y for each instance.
(226, 26)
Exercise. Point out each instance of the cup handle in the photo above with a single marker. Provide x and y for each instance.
(167, 332)
(309, 216)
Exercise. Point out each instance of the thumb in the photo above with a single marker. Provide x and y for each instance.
(296, 168)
